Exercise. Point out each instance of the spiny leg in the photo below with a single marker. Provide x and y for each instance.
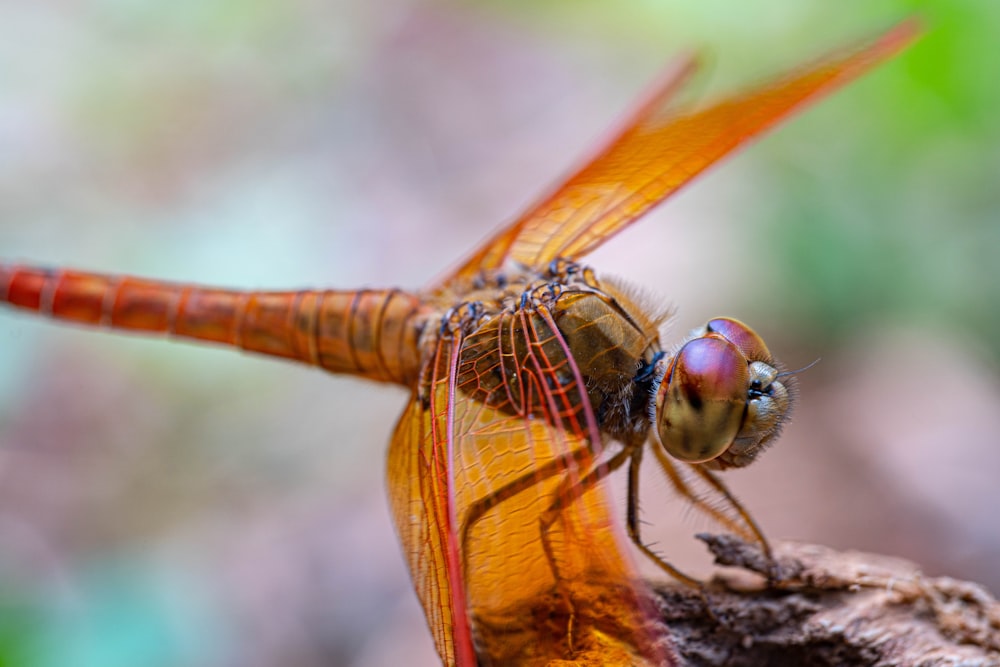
(569, 490)
(632, 522)
(684, 490)
(744, 514)
(746, 527)
(478, 509)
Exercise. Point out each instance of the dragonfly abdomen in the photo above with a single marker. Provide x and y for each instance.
(371, 333)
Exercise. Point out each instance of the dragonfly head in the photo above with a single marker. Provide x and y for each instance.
(720, 400)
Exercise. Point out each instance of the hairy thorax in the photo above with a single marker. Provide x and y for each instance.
(529, 338)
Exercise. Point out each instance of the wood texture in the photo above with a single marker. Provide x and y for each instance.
(830, 608)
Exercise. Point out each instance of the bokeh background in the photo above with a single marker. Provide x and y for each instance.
(162, 504)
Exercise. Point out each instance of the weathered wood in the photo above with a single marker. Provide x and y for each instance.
(828, 608)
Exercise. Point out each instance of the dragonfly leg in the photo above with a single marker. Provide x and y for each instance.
(569, 489)
(735, 517)
(478, 509)
(743, 513)
(632, 523)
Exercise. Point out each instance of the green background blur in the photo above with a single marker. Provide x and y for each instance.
(172, 505)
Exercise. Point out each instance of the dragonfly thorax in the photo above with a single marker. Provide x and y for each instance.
(545, 342)
(615, 344)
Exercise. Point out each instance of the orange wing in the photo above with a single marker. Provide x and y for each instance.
(483, 451)
(658, 152)
(526, 441)
(420, 493)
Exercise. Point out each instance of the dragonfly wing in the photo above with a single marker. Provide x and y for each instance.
(421, 499)
(659, 151)
(527, 446)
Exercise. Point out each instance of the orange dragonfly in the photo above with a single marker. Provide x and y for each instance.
(531, 380)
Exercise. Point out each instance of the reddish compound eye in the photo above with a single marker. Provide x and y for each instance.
(719, 400)
(743, 337)
(701, 401)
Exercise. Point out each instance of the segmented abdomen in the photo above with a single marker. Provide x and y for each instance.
(372, 333)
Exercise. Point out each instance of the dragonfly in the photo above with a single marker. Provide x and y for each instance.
(531, 380)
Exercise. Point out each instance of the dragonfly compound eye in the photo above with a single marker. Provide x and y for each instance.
(743, 337)
(702, 398)
(721, 399)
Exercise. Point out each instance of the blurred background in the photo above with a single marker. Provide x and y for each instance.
(164, 504)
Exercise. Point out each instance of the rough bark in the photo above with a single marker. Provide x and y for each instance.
(828, 608)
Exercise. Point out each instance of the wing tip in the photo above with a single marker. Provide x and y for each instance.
(901, 35)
